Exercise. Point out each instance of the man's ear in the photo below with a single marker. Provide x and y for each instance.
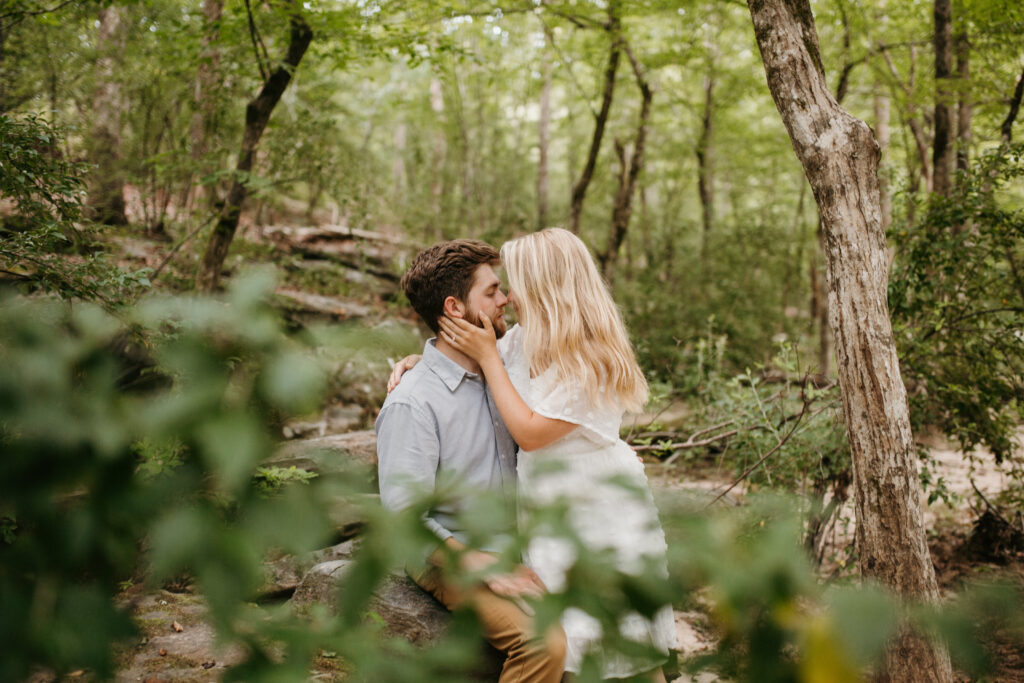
(453, 308)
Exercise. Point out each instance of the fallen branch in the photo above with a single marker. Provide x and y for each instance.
(336, 232)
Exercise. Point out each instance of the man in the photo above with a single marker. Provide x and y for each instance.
(440, 422)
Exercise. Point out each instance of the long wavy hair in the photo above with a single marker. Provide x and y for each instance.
(569, 320)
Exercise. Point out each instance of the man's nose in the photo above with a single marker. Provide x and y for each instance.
(502, 298)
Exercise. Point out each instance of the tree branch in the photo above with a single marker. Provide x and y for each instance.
(257, 42)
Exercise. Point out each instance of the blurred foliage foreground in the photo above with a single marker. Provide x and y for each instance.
(110, 473)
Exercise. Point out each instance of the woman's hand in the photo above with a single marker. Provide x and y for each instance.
(476, 342)
(401, 366)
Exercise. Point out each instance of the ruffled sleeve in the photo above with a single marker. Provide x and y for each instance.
(569, 401)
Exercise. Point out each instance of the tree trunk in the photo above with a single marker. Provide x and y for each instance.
(840, 159)
(257, 114)
(705, 174)
(628, 174)
(920, 142)
(942, 143)
(579, 188)
(204, 95)
(1006, 130)
(106, 187)
(965, 108)
(543, 126)
(439, 153)
(398, 172)
(3, 76)
(882, 109)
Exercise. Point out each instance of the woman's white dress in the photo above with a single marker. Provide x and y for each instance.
(593, 463)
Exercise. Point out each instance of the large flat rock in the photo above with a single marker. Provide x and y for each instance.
(407, 610)
(328, 454)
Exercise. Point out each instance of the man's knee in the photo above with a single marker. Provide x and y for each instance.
(555, 644)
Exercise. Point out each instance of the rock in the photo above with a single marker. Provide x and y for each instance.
(407, 611)
(405, 608)
(284, 574)
(328, 454)
(335, 419)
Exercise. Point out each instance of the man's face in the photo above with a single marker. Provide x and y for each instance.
(486, 298)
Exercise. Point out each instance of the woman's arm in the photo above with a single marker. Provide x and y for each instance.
(530, 430)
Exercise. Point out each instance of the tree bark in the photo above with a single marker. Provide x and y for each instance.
(1006, 130)
(622, 210)
(840, 159)
(257, 114)
(106, 188)
(942, 142)
(579, 188)
(543, 125)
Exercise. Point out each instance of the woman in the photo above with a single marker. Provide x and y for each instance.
(562, 380)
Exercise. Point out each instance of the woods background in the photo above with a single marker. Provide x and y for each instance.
(162, 147)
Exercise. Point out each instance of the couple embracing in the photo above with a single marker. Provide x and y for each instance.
(495, 408)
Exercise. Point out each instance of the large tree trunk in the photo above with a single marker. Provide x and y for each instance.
(840, 159)
(942, 143)
(106, 187)
(257, 114)
(579, 188)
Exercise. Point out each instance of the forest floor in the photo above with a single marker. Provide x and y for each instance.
(177, 644)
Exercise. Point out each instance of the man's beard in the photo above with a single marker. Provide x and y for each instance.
(498, 323)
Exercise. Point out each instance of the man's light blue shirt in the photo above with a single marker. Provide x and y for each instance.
(441, 423)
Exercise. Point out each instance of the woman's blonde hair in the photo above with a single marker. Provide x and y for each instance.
(569, 320)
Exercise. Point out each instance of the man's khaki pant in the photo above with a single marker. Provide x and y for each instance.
(508, 628)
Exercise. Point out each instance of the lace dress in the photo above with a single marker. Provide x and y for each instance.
(588, 468)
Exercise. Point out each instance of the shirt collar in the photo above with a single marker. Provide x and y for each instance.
(450, 372)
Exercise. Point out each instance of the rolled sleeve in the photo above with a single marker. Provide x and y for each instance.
(408, 453)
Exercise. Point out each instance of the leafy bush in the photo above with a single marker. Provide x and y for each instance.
(46, 191)
(957, 300)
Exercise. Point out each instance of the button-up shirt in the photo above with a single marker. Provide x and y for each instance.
(441, 423)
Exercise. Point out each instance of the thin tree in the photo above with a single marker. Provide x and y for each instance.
(965, 107)
(630, 167)
(579, 188)
(840, 157)
(106, 187)
(257, 115)
(1006, 129)
(543, 130)
(204, 93)
(942, 142)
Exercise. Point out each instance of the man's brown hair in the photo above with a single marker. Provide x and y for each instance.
(443, 270)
